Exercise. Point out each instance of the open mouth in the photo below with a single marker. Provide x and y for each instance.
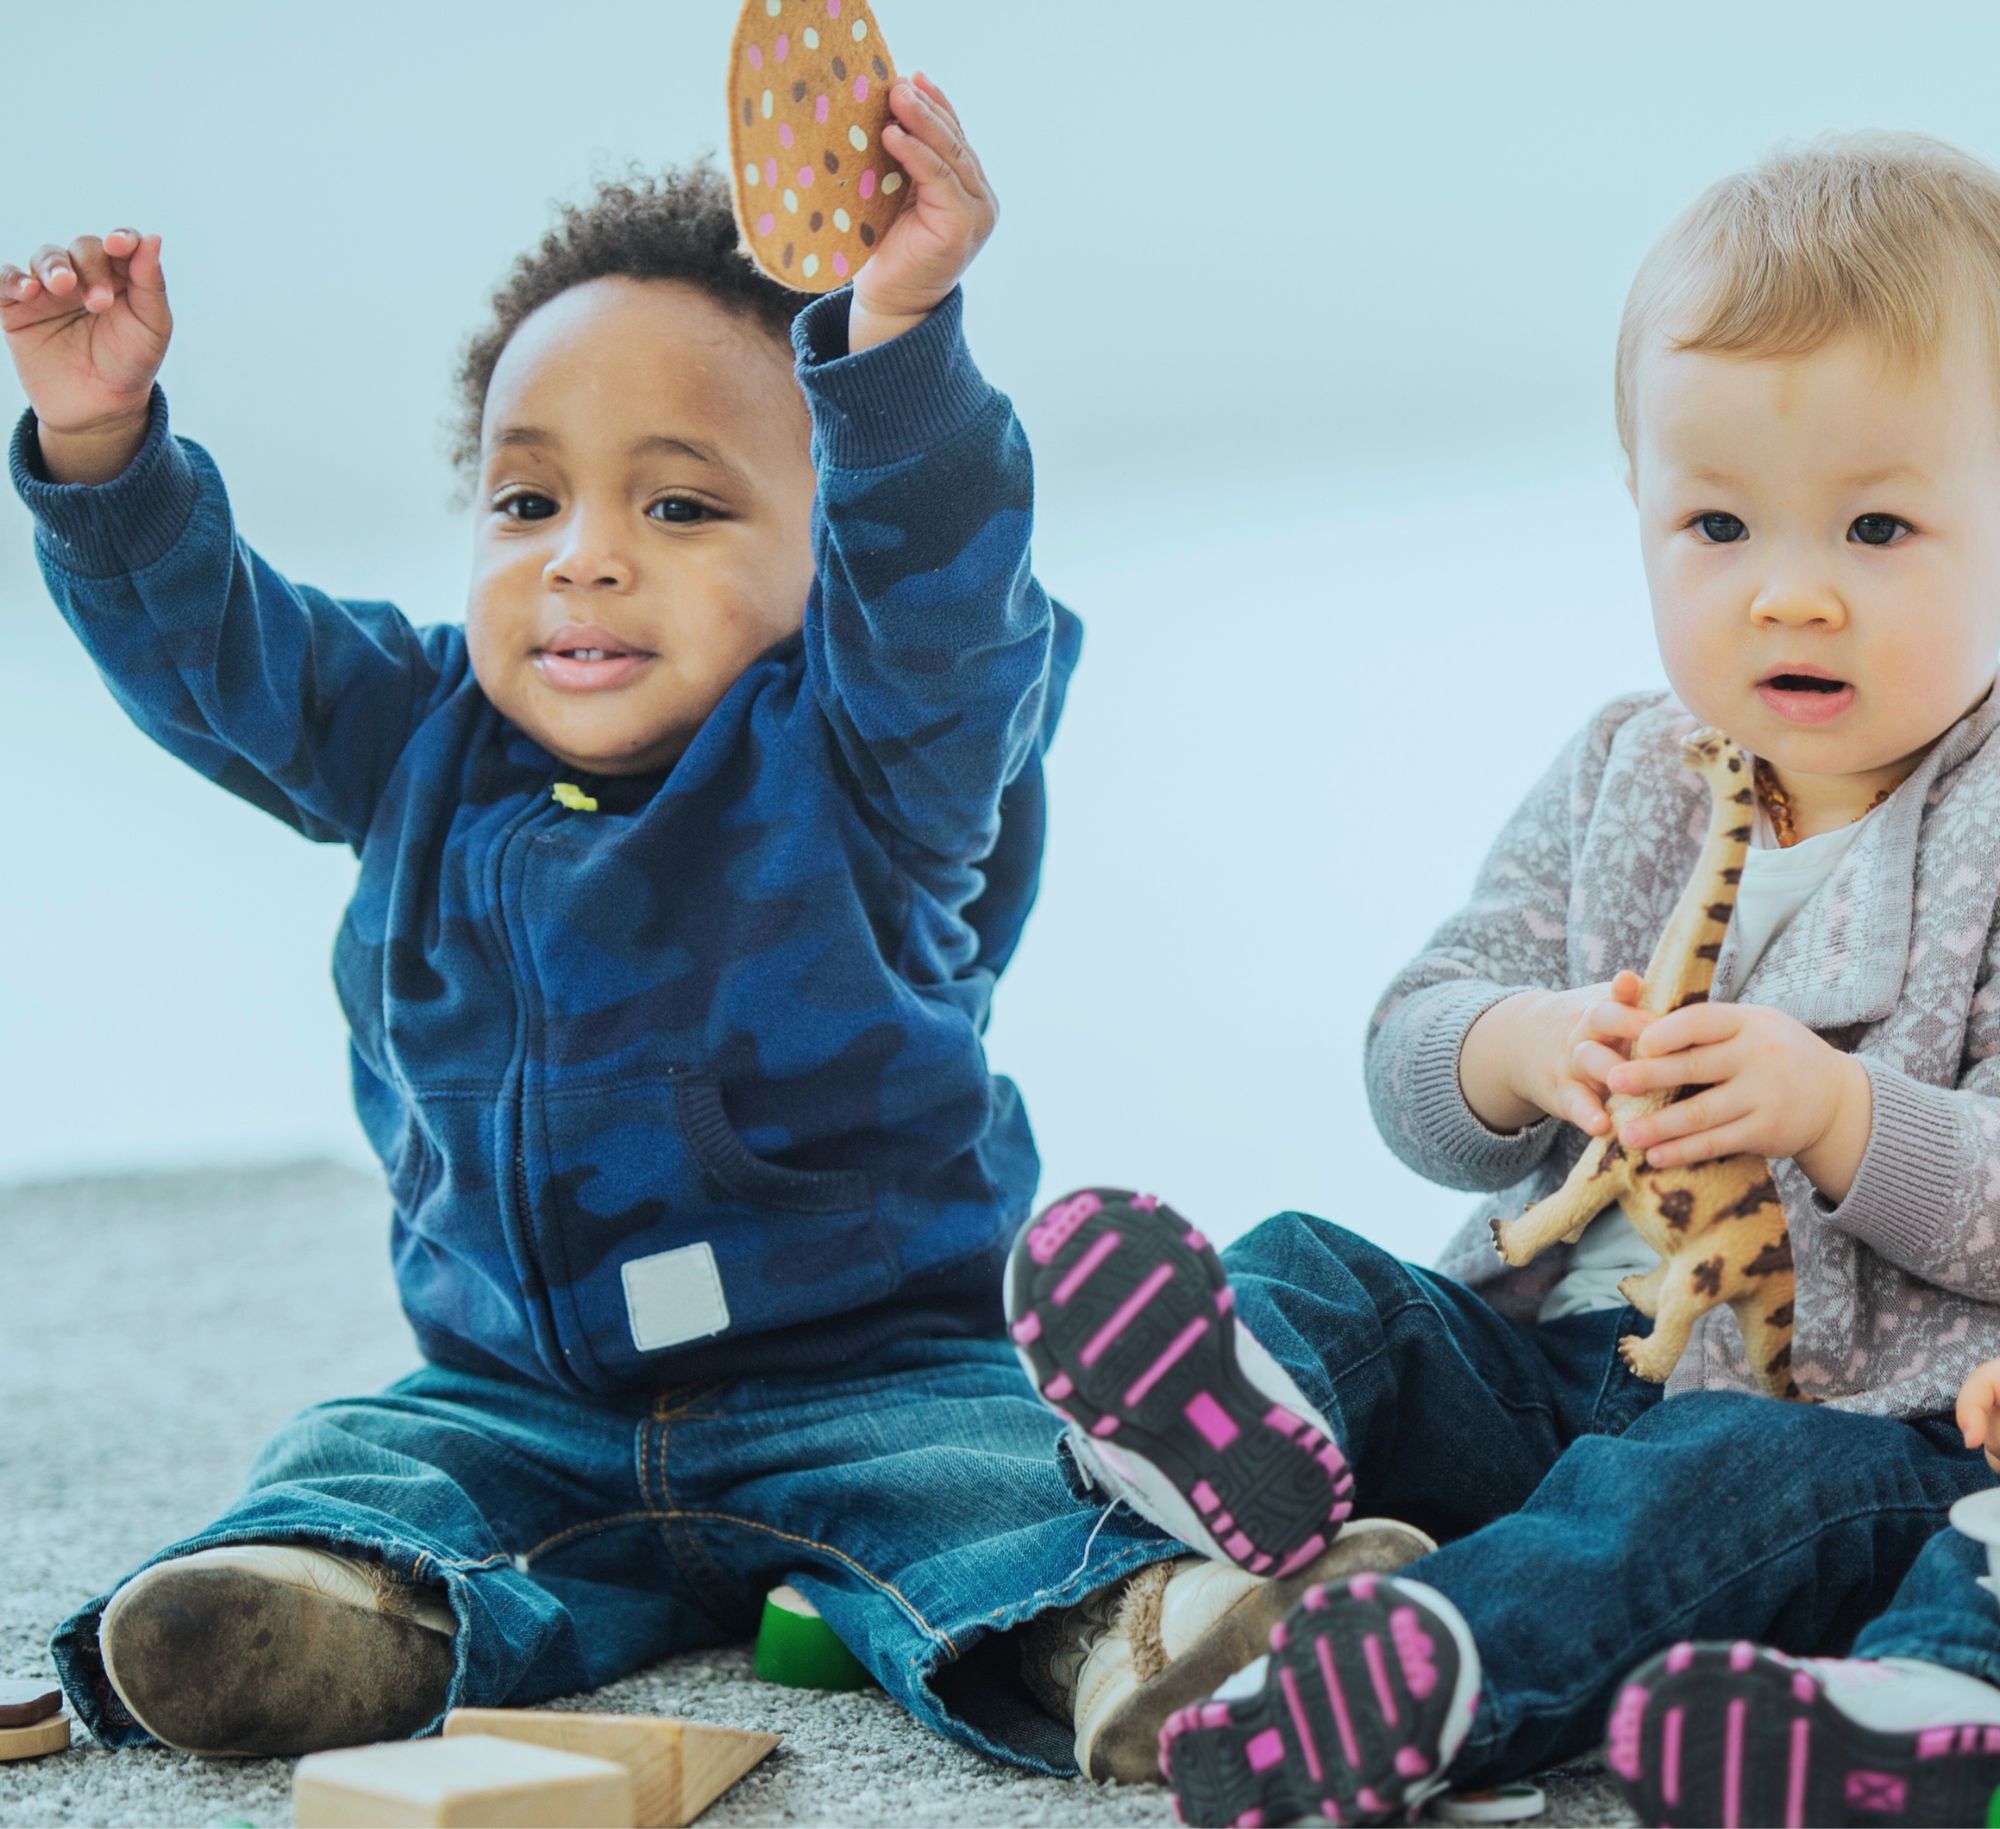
(1804, 682)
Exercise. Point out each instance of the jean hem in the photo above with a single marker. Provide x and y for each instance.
(936, 1713)
(1968, 1659)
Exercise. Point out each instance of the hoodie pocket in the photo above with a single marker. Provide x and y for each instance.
(730, 1163)
(660, 1227)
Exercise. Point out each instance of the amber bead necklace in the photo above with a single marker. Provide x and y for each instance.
(1779, 805)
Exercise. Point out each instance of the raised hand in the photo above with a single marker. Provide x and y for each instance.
(951, 212)
(87, 327)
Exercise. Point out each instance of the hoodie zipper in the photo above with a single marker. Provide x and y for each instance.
(521, 1208)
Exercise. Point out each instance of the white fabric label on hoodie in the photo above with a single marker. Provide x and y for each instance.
(674, 1296)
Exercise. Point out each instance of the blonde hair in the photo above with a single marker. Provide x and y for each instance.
(1885, 234)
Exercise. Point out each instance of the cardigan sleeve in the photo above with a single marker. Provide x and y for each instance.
(1926, 1196)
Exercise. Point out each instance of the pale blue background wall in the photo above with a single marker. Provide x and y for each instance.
(1308, 309)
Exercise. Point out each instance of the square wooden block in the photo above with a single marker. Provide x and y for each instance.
(470, 1781)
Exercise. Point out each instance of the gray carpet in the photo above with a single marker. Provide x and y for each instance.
(157, 1328)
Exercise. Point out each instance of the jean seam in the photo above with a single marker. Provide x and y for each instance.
(551, 1543)
(662, 1419)
(1558, 1705)
(839, 1555)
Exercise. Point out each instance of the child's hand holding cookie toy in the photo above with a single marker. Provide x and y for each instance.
(814, 107)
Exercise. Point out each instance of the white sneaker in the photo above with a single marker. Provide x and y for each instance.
(273, 1650)
(1736, 1733)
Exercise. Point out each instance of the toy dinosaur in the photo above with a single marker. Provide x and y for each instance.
(1719, 1225)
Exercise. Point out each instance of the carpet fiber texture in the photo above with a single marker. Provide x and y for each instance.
(157, 1328)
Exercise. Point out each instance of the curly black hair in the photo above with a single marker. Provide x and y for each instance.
(675, 224)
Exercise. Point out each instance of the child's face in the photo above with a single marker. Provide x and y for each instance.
(645, 468)
(1891, 585)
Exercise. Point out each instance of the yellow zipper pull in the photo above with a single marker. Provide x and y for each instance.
(573, 797)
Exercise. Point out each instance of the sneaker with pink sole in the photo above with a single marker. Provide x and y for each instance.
(1124, 1320)
(1354, 1716)
(1739, 1734)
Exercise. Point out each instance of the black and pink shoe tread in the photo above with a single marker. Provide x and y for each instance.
(1348, 1727)
(1123, 1314)
(1737, 1735)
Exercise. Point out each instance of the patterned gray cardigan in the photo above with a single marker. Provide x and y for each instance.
(1892, 959)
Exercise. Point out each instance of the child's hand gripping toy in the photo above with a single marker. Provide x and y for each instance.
(809, 84)
(1718, 1225)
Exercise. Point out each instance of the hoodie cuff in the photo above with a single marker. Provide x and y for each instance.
(1910, 1172)
(106, 530)
(1448, 1127)
(894, 401)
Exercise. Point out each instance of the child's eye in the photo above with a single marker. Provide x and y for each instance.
(1870, 526)
(1719, 529)
(508, 503)
(680, 511)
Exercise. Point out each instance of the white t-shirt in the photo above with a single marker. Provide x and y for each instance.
(1776, 883)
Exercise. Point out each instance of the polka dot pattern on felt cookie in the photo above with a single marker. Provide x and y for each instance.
(809, 88)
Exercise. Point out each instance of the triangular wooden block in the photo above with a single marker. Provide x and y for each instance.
(678, 1767)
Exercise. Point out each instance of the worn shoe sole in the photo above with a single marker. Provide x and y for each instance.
(1366, 1694)
(214, 1655)
(1128, 1748)
(1122, 1317)
(1737, 1735)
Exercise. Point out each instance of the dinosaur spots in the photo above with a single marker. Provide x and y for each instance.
(1781, 1316)
(1775, 1256)
(1692, 997)
(1614, 1153)
(1706, 1277)
(1719, 911)
(1677, 1208)
(1754, 1201)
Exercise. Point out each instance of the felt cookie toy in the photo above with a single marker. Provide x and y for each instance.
(808, 98)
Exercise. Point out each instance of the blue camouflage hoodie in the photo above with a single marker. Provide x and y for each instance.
(690, 1081)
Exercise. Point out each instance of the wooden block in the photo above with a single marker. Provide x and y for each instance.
(24, 1701)
(678, 1767)
(474, 1779)
(48, 1735)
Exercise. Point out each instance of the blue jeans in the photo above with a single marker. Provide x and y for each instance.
(1940, 1614)
(914, 1501)
(1584, 1524)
